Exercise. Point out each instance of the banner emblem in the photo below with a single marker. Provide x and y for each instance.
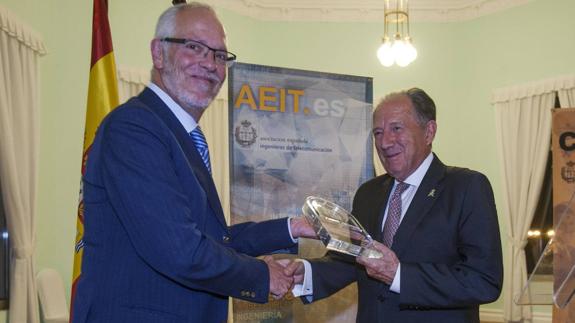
(568, 172)
(245, 134)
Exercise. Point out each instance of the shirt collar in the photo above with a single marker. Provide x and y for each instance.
(185, 118)
(416, 177)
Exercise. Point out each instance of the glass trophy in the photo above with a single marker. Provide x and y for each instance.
(337, 229)
(553, 278)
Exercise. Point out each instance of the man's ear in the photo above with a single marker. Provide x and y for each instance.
(430, 130)
(157, 50)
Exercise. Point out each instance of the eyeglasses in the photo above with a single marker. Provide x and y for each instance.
(221, 57)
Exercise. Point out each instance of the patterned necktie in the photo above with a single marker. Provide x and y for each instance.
(202, 146)
(393, 214)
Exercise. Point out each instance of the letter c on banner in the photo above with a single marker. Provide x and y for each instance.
(563, 141)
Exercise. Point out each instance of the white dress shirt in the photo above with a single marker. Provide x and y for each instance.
(184, 117)
(414, 181)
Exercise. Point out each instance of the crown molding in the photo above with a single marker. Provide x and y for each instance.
(363, 10)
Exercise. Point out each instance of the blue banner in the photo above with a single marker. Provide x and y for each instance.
(293, 134)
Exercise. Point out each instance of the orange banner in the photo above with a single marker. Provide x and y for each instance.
(563, 147)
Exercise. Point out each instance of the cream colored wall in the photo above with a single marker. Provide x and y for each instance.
(459, 64)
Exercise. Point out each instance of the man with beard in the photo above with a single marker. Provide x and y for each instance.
(157, 246)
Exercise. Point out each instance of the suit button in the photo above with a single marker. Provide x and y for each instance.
(226, 239)
(380, 298)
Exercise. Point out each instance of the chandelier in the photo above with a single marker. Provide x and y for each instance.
(398, 48)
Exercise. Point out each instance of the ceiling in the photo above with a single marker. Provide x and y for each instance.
(363, 10)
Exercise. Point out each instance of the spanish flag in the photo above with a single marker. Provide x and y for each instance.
(102, 98)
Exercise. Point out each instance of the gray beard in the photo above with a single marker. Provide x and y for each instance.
(189, 100)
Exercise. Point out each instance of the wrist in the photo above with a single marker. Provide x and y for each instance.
(296, 227)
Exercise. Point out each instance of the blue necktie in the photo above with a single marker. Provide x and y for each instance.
(202, 146)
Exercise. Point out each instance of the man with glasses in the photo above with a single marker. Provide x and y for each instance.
(157, 246)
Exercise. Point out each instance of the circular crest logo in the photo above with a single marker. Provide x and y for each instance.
(568, 172)
(245, 134)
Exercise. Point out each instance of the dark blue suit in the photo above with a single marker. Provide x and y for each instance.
(448, 245)
(157, 247)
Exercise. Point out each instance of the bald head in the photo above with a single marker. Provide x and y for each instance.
(167, 21)
(421, 102)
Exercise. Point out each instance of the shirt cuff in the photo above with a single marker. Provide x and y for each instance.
(295, 240)
(396, 283)
(305, 289)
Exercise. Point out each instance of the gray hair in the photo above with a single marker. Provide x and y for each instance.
(167, 21)
(422, 103)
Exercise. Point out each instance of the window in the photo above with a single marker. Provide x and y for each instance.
(541, 225)
(541, 229)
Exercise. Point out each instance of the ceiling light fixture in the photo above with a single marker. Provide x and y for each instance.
(399, 48)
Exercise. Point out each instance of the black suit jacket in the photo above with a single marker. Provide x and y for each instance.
(448, 245)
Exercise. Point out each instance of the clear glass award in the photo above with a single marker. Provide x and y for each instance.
(338, 229)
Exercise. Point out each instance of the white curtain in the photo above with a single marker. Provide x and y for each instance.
(214, 124)
(566, 92)
(20, 49)
(131, 81)
(523, 121)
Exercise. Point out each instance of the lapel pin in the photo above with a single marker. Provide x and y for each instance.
(431, 193)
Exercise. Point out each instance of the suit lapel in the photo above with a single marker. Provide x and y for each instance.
(156, 105)
(427, 193)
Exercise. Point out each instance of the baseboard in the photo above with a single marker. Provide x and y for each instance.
(495, 315)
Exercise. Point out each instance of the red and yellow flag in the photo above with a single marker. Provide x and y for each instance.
(102, 98)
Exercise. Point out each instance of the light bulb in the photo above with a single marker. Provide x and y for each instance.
(536, 233)
(410, 51)
(385, 54)
(399, 49)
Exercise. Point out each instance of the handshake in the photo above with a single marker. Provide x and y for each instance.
(286, 273)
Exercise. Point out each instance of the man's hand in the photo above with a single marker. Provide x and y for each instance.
(300, 228)
(383, 268)
(294, 269)
(280, 283)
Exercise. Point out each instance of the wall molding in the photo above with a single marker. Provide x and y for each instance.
(363, 10)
